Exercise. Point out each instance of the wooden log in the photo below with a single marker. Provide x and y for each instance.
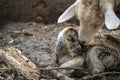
(77, 61)
(54, 73)
(20, 63)
(59, 75)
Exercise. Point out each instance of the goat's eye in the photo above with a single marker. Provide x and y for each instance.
(71, 40)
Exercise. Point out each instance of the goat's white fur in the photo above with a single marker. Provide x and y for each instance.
(61, 36)
(69, 13)
(111, 20)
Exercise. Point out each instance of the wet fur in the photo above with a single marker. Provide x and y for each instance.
(68, 45)
(105, 47)
(102, 52)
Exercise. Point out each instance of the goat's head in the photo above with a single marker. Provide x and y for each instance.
(90, 13)
(72, 41)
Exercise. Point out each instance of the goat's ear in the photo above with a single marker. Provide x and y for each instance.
(69, 13)
(60, 47)
(111, 19)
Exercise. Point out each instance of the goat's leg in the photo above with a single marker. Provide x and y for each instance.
(96, 64)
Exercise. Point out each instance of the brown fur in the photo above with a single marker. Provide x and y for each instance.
(91, 18)
(102, 52)
(71, 46)
(104, 43)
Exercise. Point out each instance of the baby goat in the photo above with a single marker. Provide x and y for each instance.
(103, 51)
(68, 48)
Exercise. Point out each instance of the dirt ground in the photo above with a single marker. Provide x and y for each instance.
(35, 40)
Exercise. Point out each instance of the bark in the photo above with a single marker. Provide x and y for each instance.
(20, 63)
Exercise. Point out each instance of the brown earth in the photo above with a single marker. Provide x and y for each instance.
(35, 40)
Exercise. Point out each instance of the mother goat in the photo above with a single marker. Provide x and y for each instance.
(92, 15)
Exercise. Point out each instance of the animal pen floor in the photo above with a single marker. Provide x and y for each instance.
(37, 42)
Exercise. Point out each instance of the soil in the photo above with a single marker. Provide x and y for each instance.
(35, 40)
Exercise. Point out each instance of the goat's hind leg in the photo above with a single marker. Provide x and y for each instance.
(94, 62)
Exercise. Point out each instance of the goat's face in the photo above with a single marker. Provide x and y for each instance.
(91, 19)
(92, 15)
(72, 42)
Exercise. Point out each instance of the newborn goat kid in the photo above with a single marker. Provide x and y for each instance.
(68, 48)
(103, 54)
(92, 14)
